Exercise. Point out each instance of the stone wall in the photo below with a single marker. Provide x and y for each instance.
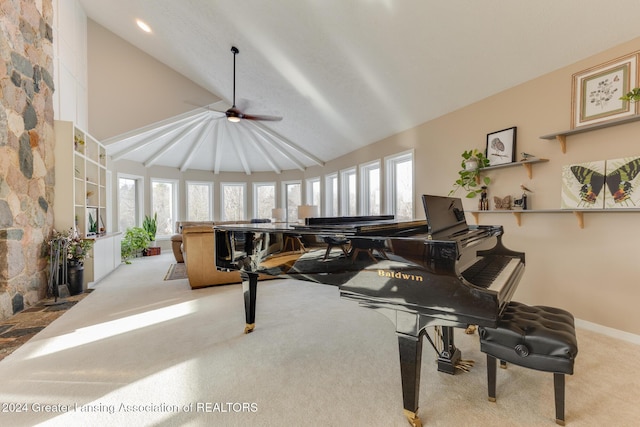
(26, 151)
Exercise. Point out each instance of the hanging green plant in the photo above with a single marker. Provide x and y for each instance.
(632, 96)
(473, 161)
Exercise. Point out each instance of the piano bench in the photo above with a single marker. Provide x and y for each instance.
(535, 337)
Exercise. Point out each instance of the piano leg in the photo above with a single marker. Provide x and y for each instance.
(449, 357)
(249, 288)
(410, 360)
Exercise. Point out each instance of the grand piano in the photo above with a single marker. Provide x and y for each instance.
(437, 272)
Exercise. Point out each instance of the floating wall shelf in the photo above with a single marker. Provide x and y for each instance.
(561, 137)
(526, 163)
(579, 213)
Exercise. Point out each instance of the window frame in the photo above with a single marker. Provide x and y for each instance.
(346, 190)
(255, 206)
(175, 197)
(331, 195)
(244, 200)
(309, 192)
(391, 163)
(285, 198)
(210, 185)
(365, 186)
(139, 198)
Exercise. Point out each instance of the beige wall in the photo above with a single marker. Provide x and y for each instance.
(590, 271)
(129, 89)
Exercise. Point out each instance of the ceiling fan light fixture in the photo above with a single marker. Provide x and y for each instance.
(233, 119)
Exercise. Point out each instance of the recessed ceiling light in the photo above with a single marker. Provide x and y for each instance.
(143, 26)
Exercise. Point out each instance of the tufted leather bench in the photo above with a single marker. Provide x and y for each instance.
(536, 337)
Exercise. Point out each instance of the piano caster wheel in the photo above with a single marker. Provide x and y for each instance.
(413, 419)
(249, 328)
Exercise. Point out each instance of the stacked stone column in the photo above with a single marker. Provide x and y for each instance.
(26, 151)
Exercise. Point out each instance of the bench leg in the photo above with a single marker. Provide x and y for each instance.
(558, 388)
(491, 377)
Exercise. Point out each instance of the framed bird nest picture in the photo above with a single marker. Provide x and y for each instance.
(596, 91)
(501, 146)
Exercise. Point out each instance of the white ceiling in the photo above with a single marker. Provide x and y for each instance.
(344, 73)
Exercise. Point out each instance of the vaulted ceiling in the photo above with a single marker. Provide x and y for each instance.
(342, 74)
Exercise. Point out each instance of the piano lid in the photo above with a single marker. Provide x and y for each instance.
(358, 225)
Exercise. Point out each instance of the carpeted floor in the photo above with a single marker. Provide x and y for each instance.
(176, 271)
(141, 351)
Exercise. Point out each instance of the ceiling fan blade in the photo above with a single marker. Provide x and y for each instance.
(261, 117)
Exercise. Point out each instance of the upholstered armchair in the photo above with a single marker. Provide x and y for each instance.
(176, 239)
(198, 243)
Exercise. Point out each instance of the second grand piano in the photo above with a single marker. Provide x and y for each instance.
(419, 274)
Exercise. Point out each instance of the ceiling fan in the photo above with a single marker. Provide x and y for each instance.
(234, 114)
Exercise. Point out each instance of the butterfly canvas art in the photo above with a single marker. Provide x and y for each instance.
(622, 180)
(607, 184)
(582, 185)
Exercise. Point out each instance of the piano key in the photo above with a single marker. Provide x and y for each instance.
(505, 275)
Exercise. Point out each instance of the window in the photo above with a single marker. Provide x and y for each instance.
(164, 202)
(264, 199)
(370, 188)
(313, 193)
(233, 201)
(331, 195)
(349, 192)
(199, 201)
(129, 201)
(399, 187)
(292, 192)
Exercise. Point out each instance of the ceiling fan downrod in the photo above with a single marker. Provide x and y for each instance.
(235, 52)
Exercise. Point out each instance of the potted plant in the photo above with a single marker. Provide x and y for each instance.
(78, 143)
(134, 241)
(93, 225)
(473, 161)
(150, 225)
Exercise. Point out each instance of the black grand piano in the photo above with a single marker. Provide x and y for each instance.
(437, 273)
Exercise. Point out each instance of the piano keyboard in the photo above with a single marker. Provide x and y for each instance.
(491, 272)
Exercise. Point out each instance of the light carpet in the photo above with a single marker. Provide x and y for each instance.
(140, 351)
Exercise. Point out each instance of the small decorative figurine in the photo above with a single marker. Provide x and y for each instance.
(483, 204)
(522, 202)
(502, 203)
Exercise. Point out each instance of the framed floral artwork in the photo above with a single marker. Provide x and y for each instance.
(596, 91)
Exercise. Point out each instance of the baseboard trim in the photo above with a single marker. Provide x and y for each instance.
(605, 330)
